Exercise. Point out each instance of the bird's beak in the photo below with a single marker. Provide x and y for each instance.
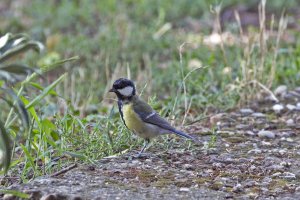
(112, 90)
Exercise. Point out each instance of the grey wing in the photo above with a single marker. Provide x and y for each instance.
(147, 114)
(155, 119)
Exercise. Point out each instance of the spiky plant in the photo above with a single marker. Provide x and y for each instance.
(12, 72)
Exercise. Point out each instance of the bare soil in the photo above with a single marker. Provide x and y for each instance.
(255, 155)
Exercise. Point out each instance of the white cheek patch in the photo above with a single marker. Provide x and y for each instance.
(126, 91)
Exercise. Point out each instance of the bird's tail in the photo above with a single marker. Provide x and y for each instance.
(182, 134)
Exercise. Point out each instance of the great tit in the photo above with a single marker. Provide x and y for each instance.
(138, 116)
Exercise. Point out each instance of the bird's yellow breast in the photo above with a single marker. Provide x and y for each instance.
(132, 120)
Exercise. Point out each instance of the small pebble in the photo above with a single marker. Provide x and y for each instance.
(246, 111)
(237, 188)
(252, 167)
(287, 134)
(242, 126)
(266, 143)
(291, 107)
(258, 115)
(9, 197)
(79, 198)
(184, 189)
(250, 183)
(136, 162)
(288, 96)
(295, 94)
(290, 122)
(288, 175)
(282, 89)
(285, 164)
(277, 108)
(277, 174)
(275, 168)
(297, 89)
(217, 165)
(255, 151)
(282, 151)
(250, 133)
(266, 181)
(266, 134)
(49, 197)
(188, 167)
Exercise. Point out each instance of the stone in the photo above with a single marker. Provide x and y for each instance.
(237, 188)
(264, 143)
(285, 164)
(255, 151)
(258, 115)
(278, 108)
(276, 174)
(9, 197)
(184, 189)
(275, 168)
(250, 133)
(290, 122)
(282, 151)
(188, 167)
(291, 107)
(242, 126)
(280, 90)
(288, 175)
(49, 197)
(266, 134)
(246, 111)
(295, 94)
(297, 89)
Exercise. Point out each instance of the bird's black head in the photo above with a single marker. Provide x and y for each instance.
(123, 88)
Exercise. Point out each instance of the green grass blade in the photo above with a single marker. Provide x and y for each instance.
(19, 106)
(45, 92)
(16, 193)
(57, 64)
(31, 110)
(5, 151)
(39, 87)
(28, 155)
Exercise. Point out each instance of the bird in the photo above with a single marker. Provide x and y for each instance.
(139, 117)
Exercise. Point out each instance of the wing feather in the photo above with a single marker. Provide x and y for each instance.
(147, 114)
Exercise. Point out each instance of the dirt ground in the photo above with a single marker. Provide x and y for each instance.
(255, 155)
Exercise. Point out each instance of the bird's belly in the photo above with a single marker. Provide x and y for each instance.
(136, 124)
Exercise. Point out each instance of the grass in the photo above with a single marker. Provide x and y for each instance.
(180, 75)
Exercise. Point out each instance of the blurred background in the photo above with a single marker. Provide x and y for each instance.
(142, 39)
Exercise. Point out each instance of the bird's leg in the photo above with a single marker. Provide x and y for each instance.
(146, 142)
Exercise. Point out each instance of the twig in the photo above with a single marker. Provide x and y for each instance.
(266, 89)
(64, 170)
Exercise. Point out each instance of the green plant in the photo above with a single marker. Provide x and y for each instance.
(10, 73)
(15, 77)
